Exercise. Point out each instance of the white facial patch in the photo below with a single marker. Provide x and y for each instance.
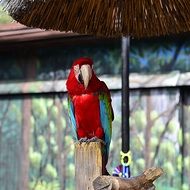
(76, 71)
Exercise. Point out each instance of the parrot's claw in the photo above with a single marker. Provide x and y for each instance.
(95, 139)
(83, 140)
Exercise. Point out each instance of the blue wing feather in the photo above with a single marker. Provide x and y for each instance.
(106, 118)
(72, 119)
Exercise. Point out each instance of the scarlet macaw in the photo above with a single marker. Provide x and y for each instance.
(90, 107)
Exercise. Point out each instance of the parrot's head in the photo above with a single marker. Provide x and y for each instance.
(83, 72)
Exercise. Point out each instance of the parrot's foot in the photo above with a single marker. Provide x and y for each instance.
(96, 139)
(85, 139)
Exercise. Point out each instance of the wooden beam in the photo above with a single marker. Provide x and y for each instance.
(88, 164)
(141, 182)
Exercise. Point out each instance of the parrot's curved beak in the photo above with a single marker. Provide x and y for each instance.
(85, 75)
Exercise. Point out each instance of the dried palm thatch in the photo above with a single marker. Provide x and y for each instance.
(137, 18)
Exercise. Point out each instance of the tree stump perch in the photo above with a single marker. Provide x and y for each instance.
(88, 164)
(141, 182)
(88, 172)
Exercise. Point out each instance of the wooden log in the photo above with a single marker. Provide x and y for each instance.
(141, 182)
(88, 164)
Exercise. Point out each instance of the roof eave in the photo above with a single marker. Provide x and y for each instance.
(15, 32)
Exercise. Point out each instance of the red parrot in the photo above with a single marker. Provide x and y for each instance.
(90, 107)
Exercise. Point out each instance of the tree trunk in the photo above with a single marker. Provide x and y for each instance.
(148, 132)
(26, 125)
(61, 160)
(141, 182)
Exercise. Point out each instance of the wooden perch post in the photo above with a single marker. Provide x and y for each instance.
(141, 182)
(88, 164)
(88, 172)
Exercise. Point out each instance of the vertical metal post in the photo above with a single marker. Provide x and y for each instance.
(125, 94)
(125, 133)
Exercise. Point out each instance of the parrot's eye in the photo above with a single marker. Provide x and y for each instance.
(80, 79)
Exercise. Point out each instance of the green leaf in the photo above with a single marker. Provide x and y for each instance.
(42, 144)
(50, 171)
(4, 17)
(35, 159)
(169, 169)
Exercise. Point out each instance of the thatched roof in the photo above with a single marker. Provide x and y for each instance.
(137, 18)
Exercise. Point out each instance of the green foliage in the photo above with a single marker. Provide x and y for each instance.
(169, 169)
(65, 103)
(52, 127)
(167, 148)
(71, 169)
(160, 186)
(185, 187)
(49, 103)
(42, 145)
(63, 123)
(139, 119)
(55, 150)
(50, 144)
(54, 111)
(154, 142)
(50, 171)
(4, 17)
(179, 136)
(32, 121)
(138, 142)
(172, 126)
(51, 150)
(159, 56)
(179, 162)
(140, 164)
(39, 107)
(162, 141)
(35, 159)
(43, 185)
(154, 115)
(68, 140)
(158, 128)
(187, 162)
(187, 138)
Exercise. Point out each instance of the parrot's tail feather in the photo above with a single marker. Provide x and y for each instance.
(104, 163)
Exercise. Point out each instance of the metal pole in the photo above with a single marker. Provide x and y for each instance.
(125, 94)
(125, 133)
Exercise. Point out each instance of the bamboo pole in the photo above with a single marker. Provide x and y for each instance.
(88, 164)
